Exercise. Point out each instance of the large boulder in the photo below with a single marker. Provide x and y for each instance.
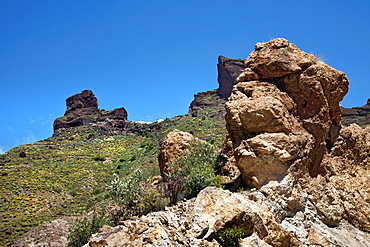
(278, 58)
(174, 145)
(289, 117)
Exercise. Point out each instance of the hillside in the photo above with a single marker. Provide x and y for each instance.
(65, 174)
(274, 133)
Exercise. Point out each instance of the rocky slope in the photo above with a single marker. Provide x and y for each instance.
(359, 115)
(66, 174)
(306, 178)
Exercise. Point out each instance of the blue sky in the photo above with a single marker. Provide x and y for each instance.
(151, 57)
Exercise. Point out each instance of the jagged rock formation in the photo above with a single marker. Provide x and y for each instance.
(228, 70)
(82, 110)
(207, 99)
(307, 178)
(359, 115)
(289, 117)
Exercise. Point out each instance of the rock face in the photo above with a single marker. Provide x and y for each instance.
(207, 99)
(359, 115)
(82, 110)
(290, 117)
(228, 70)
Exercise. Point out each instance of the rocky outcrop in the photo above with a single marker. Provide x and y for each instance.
(359, 115)
(205, 100)
(228, 70)
(330, 210)
(82, 110)
(290, 117)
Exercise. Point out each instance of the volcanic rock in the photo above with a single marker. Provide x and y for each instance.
(205, 100)
(228, 70)
(82, 110)
(359, 115)
(278, 58)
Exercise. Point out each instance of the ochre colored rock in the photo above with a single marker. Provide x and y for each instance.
(278, 58)
(297, 97)
(174, 145)
(266, 135)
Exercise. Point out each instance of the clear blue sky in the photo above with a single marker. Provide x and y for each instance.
(151, 57)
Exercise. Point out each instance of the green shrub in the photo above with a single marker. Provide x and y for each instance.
(83, 228)
(194, 170)
(133, 197)
(229, 237)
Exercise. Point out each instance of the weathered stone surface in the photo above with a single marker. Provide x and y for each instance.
(296, 95)
(347, 167)
(205, 100)
(253, 241)
(82, 110)
(266, 219)
(293, 149)
(247, 75)
(266, 135)
(278, 58)
(84, 103)
(175, 144)
(228, 70)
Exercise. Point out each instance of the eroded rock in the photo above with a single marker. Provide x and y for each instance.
(228, 70)
(295, 95)
(175, 144)
(82, 110)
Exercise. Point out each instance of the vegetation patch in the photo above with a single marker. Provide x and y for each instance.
(68, 173)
